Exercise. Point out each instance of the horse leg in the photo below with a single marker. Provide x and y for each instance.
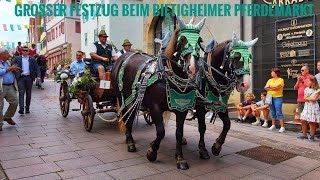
(181, 162)
(156, 115)
(129, 139)
(202, 129)
(217, 146)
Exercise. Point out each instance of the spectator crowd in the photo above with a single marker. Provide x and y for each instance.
(272, 101)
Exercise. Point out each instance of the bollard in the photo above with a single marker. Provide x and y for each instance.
(296, 116)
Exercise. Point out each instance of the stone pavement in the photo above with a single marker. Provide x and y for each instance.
(44, 145)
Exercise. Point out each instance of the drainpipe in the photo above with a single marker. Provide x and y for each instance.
(242, 38)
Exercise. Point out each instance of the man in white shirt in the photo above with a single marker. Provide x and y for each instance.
(126, 47)
(30, 71)
(102, 54)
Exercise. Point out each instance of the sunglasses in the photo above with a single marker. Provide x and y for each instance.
(25, 50)
(302, 70)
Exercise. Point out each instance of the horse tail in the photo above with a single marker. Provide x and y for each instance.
(166, 117)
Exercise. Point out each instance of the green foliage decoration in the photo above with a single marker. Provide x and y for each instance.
(83, 83)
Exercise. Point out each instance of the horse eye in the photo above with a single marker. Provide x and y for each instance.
(237, 55)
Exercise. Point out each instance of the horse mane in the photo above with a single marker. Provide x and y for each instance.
(220, 48)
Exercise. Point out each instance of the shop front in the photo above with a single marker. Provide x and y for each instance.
(287, 43)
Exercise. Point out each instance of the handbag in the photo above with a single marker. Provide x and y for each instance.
(269, 99)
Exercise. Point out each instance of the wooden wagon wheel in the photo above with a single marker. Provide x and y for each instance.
(88, 112)
(64, 99)
(147, 117)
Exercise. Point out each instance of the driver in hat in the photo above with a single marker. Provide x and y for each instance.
(102, 54)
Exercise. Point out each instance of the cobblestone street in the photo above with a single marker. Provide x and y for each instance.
(44, 145)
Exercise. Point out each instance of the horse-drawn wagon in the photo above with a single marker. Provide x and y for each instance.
(88, 89)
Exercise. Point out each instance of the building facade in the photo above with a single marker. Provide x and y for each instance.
(118, 28)
(287, 43)
(34, 30)
(63, 35)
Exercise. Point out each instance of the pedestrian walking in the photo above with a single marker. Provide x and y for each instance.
(29, 71)
(274, 88)
(311, 111)
(42, 63)
(8, 88)
(18, 49)
(33, 50)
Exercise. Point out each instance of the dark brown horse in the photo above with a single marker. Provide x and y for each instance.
(223, 69)
(182, 65)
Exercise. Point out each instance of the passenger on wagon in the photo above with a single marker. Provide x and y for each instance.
(261, 107)
(102, 54)
(77, 66)
(244, 108)
(126, 47)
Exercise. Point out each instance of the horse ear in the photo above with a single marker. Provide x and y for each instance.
(251, 43)
(201, 24)
(191, 20)
(234, 39)
(182, 25)
(157, 40)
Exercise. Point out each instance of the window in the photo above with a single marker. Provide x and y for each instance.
(62, 27)
(59, 29)
(78, 27)
(85, 39)
(53, 34)
(95, 33)
(48, 36)
(43, 43)
(57, 32)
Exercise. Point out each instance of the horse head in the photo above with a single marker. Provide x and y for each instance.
(186, 45)
(239, 59)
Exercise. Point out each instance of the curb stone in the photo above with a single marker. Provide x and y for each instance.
(3, 175)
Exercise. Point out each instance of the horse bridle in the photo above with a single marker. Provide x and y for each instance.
(231, 78)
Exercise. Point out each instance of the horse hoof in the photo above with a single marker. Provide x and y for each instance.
(151, 155)
(184, 141)
(183, 166)
(215, 151)
(204, 154)
(132, 148)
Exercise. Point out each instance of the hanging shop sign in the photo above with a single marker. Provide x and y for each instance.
(285, 2)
